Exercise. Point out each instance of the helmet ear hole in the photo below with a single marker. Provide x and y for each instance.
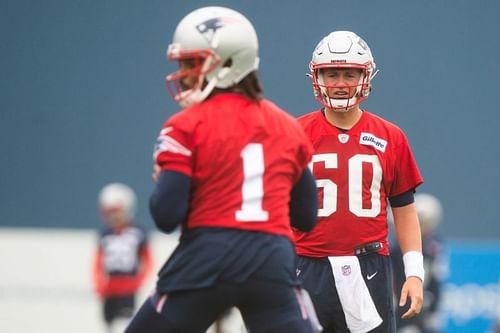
(228, 63)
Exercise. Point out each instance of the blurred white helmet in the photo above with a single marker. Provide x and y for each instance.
(342, 49)
(223, 44)
(429, 211)
(117, 196)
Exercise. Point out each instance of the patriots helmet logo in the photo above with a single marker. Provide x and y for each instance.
(209, 27)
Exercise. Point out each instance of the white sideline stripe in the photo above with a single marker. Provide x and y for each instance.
(160, 303)
(301, 304)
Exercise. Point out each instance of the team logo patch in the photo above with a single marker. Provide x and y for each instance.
(343, 138)
(371, 140)
(346, 270)
(208, 28)
(166, 143)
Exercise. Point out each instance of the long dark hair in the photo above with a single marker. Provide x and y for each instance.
(250, 87)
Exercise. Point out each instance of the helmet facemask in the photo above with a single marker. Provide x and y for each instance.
(204, 62)
(321, 90)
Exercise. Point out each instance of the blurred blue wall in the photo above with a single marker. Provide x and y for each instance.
(470, 299)
(82, 96)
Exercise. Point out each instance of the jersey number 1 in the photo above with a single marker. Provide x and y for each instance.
(252, 190)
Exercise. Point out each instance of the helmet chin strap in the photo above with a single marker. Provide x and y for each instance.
(341, 110)
(341, 105)
(190, 97)
(344, 105)
(347, 104)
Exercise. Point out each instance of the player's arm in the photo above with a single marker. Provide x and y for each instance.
(169, 202)
(99, 276)
(304, 202)
(409, 237)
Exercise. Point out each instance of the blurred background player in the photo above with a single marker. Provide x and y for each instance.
(360, 162)
(231, 170)
(123, 257)
(430, 212)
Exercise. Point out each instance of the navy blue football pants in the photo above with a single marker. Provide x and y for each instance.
(317, 278)
(118, 307)
(266, 307)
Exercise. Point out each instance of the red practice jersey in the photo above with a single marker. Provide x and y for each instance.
(356, 172)
(243, 159)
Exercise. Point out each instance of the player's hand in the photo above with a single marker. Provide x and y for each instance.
(156, 172)
(412, 289)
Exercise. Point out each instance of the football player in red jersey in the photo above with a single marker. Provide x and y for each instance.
(360, 162)
(123, 257)
(231, 171)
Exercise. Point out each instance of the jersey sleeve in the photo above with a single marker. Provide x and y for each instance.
(406, 175)
(304, 156)
(98, 275)
(304, 152)
(174, 146)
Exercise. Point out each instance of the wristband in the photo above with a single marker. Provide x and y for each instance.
(414, 264)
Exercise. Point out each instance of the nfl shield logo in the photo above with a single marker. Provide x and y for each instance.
(346, 270)
(343, 138)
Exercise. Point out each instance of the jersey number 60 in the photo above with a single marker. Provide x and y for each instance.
(355, 185)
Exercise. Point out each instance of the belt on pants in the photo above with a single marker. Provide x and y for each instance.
(368, 248)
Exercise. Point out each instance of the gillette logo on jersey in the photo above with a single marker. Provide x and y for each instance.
(371, 140)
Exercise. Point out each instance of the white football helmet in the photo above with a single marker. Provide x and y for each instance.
(117, 196)
(429, 211)
(342, 49)
(224, 46)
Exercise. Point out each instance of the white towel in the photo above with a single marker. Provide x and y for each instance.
(360, 312)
